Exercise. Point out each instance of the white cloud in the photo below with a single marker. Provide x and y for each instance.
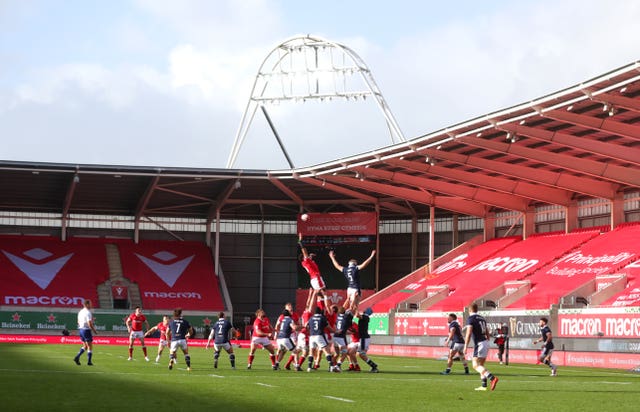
(203, 61)
(465, 69)
(218, 77)
(223, 24)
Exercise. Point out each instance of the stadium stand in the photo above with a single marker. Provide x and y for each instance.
(573, 277)
(418, 294)
(172, 274)
(43, 271)
(514, 262)
(404, 286)
(630, 295)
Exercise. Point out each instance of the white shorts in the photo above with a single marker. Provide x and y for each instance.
(354, 346)
(353, 293)
(481, 349)
(226, 346)
(137, 334)
(285, 343)
(163, 343)
(456, 347)
(317, 283)
(258, 340)
(302, 342)
(341, 342)
(180, 343)
(317, 341)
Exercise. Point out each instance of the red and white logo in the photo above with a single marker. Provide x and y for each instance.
(38, 266)
(168, 272)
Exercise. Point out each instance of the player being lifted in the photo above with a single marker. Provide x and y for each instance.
(317, 283)
(352, 274)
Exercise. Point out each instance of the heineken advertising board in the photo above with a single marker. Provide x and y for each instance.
(105, 322)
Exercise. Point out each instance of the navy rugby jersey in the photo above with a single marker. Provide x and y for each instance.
(285, 328)
(179, 328)
(478, 327)
(544, 330)
(221, 331)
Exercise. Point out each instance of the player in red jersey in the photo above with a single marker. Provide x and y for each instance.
(262, 330)
(162, 328)
(302, 345)
(134, 325)
(353, 348)
(307, 260)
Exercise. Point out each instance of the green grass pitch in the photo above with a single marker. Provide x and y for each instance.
(45, 378)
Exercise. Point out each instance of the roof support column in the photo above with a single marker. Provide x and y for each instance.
(489, 226)
(414, 241)
(432, 232)
(216, 252)
(571, 217)
(617, 210)
(207, 232)
(529, 223)
(377, 209)
(455, 234)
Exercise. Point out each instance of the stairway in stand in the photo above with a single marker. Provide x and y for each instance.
(116, 278)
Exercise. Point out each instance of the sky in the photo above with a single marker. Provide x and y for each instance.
(165, 83)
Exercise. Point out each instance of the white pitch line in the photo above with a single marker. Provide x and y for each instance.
(338, 399)
(216, 376)
(265, 384)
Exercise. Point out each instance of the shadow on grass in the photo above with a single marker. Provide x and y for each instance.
(44, 377)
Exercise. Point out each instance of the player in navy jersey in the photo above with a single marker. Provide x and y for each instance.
(547, 348)
(352, 274)
(317, 340)
(286, 327)
(343, 323)
(179, 330)
(455, 341)
(296, 319)
(477, 328)
(220, 333)
(365, 338)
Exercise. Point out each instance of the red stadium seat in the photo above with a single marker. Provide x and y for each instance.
(516, 262)
(444, 272)
(44, 271)
(605, 254)
(172, 274)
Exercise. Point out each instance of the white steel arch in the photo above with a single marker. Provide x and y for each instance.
(310, 67)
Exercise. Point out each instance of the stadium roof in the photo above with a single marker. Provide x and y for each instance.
(580, 142)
